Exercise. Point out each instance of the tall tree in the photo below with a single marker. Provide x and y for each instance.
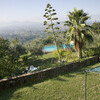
(9, 57)
(78, 30)
(96, 34)
(51, 25)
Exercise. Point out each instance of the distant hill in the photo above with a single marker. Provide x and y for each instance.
(25, 31)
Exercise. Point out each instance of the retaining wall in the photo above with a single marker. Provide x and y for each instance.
(44, 74)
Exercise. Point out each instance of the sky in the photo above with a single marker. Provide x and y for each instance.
(12, 11)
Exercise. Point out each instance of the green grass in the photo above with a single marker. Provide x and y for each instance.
(45, 61)
(69, 86)
(49, 60)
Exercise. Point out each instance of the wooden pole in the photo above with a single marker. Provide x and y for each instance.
(85, 86)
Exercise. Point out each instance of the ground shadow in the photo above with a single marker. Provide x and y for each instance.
(60, 79)
(40, 62)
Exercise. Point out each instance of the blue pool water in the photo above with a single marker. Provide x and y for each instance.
(53, 47)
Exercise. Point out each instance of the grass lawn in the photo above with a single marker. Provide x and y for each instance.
(49, 60)
(69, 86)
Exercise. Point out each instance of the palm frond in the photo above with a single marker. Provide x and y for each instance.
(83, 19)
(88, 37)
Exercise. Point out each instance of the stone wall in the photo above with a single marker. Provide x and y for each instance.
(44, 74)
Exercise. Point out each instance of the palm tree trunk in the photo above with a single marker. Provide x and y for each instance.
(78, 44)
(81, 53)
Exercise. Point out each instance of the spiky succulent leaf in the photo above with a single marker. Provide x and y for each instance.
(45, 23)
(46, 9)
(46, 13)
(53, 14)
(48, 32)
(51, 24)
(57, 28)
(47, 28)
(49, 10)
(58, 22)
(54, 18)
(68, 23)
(48, 5)
(48, 18)
(53, 9)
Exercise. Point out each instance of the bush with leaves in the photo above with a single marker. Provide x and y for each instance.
(9, 57)
(66, 55)
(62, 54)
(48, 40)
(35, 47)
(92, 51)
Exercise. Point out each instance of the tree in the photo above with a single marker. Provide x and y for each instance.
(16, 50)
(96, 34)
(6, 66)
(78, 30)
(4, 47)
(35, 47)
(9, 58)
(51, 26)
(96, 26)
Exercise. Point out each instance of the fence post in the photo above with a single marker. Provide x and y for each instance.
(85, 85)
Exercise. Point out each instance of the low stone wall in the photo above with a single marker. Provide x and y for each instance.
(44, 74)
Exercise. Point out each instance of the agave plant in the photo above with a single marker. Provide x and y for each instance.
(78, 30)
(51, 25)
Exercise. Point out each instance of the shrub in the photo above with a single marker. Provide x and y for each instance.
(62, 53)
(88, 53)
(92, 51)
(66, 55)
(69, 54)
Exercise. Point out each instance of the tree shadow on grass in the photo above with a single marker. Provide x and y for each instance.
(40, 62)
(9, 93)
(59, 79)
(80, 70)
(69, 75)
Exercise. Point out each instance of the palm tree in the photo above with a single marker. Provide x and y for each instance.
(78, 31)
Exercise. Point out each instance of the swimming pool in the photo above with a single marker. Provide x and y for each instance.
(53, 47)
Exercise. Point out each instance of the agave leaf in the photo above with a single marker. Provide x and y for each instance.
(46, 13)
(46, 9)
(45, 23)
(53, 9)
(58, 22)
(48, 18)
(54, 18)
(51, 24)
(57, 28)
(53, 14)
(48, 5)
(49, 10)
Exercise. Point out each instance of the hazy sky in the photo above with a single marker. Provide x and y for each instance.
(33, 10)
